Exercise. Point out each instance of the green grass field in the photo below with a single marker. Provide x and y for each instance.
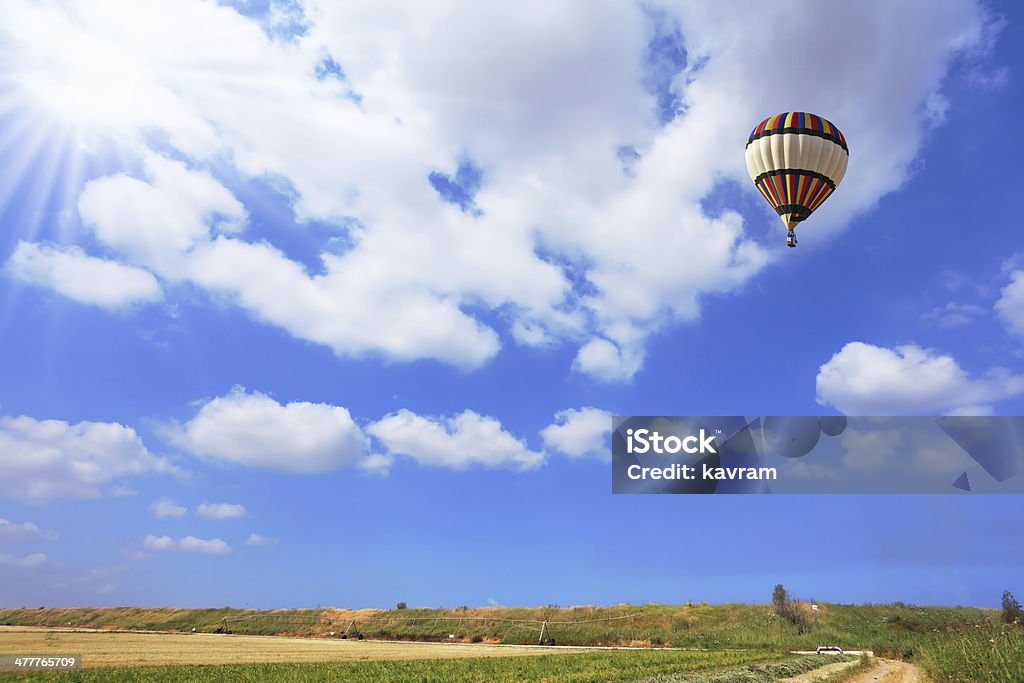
(590, 667)
(950, 644)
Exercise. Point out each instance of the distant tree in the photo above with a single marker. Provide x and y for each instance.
(1013, 613)
(401, 605)
(788, 609)
(779, 596)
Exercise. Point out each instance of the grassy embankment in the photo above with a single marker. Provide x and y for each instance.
(993, 655)
(895, 630)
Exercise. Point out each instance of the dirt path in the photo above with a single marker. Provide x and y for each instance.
(889, 671)
(883, 671)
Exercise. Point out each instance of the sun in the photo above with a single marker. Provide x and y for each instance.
(74, 96)
(76, 70)
(85, 83)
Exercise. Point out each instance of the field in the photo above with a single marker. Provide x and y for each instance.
(724, 643)
(179, 657)
(595, 668)
(132, 648)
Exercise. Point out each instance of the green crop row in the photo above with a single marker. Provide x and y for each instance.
(591, 667)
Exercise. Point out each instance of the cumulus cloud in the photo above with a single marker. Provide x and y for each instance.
(151, 542)
(255, 539)
(87, 279)
(27, 562)
(25, 531)
(863, 379)
(605, 360)
(580, 433)
(220, 510)
(48, 459)
(189, 544)
(155, 221)
(458, 442)
(255, 430)
(211, 546)
(1010, 305)
(570, 247)
(165, 507)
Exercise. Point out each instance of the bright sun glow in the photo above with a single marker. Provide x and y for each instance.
(61, 101)
(83, 77)
(84, 97)
(86, 83)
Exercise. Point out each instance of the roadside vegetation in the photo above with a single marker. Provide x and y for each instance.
(993, 655)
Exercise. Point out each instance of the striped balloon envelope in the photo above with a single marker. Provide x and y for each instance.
(796, 160)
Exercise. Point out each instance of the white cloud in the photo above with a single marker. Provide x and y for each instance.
(863, 379)
(458, 442)
(377, 463)
(220, 510)
(1010, 305)
(27, 562)
(255, 430)
(48, 459)
(25, 531)
(165, 507)
(151, 542)
(258, 540)
(87, 279)
(189, 544)
(954, 315)
(580, 433)
(604, 360)
(541, 114)
(135, 555)
(155, 222)
(212, 546)
(122, 491)
(355, 309)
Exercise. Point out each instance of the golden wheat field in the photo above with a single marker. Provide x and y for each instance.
(132, 648)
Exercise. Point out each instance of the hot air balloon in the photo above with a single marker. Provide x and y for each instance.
(796, 160)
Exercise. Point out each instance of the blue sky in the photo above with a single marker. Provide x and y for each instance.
(304, 304)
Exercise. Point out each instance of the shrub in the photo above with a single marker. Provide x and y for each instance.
(1012, 611)
(789, 609)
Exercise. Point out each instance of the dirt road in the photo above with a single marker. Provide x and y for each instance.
(889, 671)
(883, 671)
